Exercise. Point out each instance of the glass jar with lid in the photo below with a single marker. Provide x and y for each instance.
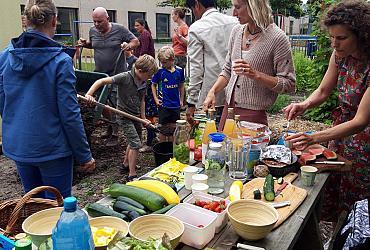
(181, 149)
(215, 163)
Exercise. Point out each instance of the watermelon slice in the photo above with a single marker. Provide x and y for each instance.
(330, 155)
(307, 157)
(316, 151)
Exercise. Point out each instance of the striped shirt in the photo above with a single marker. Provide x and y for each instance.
(271, 55)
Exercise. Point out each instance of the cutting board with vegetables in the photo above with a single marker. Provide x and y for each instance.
(291, 193)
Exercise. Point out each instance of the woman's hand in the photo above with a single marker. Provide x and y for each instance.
(293, 110)
(90, 99)
(300, 140)
(241, 67)
(210, 100)
(88, 167)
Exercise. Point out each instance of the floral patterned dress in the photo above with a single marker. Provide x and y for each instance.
(353, 81)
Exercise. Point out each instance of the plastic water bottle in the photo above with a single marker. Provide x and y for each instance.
(72, 231)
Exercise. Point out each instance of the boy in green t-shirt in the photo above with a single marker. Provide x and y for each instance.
(131, 92)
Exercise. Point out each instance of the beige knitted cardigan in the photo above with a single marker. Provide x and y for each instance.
(272, 55)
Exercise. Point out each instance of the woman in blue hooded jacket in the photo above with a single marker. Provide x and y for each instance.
(41, 120)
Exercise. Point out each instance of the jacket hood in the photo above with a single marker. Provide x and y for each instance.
(32, 50)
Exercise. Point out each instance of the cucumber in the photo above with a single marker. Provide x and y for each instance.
(165, 209)
(257, 194)
(133, 215)
(268, 188)
(123, 206)
(280, 180)
(131, 202)
(150, 200)
(97, 210)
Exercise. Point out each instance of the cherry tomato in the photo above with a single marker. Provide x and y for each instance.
(218, 210)
(213, 205)
(200, 226)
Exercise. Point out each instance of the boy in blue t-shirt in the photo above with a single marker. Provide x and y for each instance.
(168, 91)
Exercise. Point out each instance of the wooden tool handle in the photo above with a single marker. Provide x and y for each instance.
(121, 113)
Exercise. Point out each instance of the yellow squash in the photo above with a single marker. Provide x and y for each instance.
(235, 191)
(157, 187)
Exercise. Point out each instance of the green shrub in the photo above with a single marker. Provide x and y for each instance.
(281, 102)
(307, 79)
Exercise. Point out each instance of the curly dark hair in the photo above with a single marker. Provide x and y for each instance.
(356, 15)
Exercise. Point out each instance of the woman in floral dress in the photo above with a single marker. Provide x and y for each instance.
(348, 24)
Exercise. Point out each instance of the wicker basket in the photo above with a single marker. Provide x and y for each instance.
(14, 212)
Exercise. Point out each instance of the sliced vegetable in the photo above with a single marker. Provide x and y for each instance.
(280, 180)
(257, 194)
(181, 152)
(268, 188)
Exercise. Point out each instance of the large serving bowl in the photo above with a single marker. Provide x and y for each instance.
(154, 226)
(39, 226)
(252, 219)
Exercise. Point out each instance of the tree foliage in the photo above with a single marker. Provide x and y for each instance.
(221, 4)
(287, 7)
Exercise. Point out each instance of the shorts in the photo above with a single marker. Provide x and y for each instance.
(132, 131)
(167, 115)
(181, 61)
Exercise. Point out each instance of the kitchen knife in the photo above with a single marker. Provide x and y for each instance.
(331, 162)
(280, 204)
(281, 188)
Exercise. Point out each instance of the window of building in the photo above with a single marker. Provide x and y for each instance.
(163, 25)
(132, 16)
(112, 15)
(67, 30)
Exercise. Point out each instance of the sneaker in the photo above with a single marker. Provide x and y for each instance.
(112, 141)
(132, 178)
(123, 169)
(145, 149)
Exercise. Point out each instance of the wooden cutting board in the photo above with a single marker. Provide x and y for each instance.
(291, 193)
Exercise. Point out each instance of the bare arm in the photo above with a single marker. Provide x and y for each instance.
(357, 124)
(155, 96)
(182, 94)
(142, 108)
(219, 85)
(327, 85)
(99, 83)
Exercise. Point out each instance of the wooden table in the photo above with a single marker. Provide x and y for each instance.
(299, 231)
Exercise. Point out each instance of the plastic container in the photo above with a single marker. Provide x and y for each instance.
(72, 231)
(222, 218)
(199, 224)
(162, 152)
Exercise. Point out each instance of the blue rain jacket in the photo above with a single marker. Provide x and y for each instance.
(41, 117)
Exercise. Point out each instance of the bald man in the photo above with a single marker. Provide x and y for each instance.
(107, 39)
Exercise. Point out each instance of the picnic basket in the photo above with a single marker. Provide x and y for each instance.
(14, 212)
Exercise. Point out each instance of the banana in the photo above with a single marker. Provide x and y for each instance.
(157, 187)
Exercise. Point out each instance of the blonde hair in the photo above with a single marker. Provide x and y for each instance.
(147, 64)
(166, 53)
(39, 12)
(261, 12)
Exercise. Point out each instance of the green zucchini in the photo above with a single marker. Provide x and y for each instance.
(119, 206)
(131, 202)
(97, 210)
(150, 200)
(165, 209)
(133, 215)
(268, 188)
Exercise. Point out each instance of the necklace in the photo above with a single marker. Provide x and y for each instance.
(252, 36)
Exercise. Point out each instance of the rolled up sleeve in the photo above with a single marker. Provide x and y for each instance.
(196, 59)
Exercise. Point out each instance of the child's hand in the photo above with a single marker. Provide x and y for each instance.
(147, 122)
(158, 103)
(90, 99)
(181, 104)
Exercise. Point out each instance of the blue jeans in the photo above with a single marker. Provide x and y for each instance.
(57, 173)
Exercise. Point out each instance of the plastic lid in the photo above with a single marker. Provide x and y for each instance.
(70, 203)
(216, 137)
(23, 244)
(181, 122)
